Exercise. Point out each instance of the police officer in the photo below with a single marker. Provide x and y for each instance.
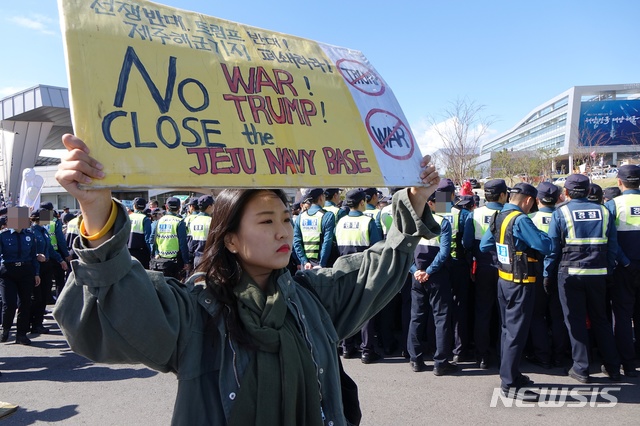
(595, 193)
(18, 248)
(193, 211)
(332, 199)
(547, 311)
(140, 236)
(355, 233)
(313, 233)
(611, 192)
(625, 293)
(47, 257)
(432, 288)
(517, 242)
(200, 229)
(486, 272)
(585, 248)
(59, 243)
(373, 196)
(172, 256)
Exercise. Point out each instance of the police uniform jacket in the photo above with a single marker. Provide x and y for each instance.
(626, 211)
(475, 228)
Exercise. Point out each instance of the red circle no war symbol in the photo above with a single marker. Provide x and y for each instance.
(391, 135)
(361, 77)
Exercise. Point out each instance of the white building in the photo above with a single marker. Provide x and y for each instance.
(601, 121)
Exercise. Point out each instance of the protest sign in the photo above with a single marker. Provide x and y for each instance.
(173, 98)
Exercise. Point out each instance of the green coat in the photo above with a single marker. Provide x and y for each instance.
(114, 311)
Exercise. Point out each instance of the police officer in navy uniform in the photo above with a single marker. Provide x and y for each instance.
(432, 288)
(331, 201)
(547, 311)
(59, 243)
(517, 242)
(49, 258)
(625, 293)
(172, 256)
(585, 249)
(372, 210)
(355, 233)
(18, 248)
(199, 230)
(486, 274)
(140, 236)
(314, 231)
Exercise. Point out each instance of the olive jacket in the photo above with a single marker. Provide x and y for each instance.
(112, 310)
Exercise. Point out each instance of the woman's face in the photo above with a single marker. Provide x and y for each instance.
(263, 241)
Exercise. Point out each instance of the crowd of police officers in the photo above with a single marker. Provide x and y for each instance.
(547, 274)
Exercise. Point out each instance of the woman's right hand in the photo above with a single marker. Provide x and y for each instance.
(78, 168)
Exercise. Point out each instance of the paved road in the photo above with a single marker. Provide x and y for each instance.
(53, 385)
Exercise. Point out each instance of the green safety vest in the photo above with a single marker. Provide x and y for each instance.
(386, 219)
(334, 210)
(51, 227)
(311, 229)
(72, 226)
(199, 227)
(541, 220)
(352, 234)
(167, 236)
(627, 212)
(454, 218)
(481, 220)
(435, 241)
(137, 223)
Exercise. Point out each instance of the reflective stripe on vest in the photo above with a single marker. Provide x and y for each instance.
(454, 219)
(627, 212)
(481, 220)
(72, 226)
(51, 227)
(373, 213)
(585, 254)
(167, 236)
(507, 251)
(311, 229)
(435, 241)
(352, 234)
(541, 220)
(199, 227)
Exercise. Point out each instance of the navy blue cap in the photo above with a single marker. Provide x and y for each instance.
(205, 201)
(495, 187)
(611, 192)
(446, 185)
(354, 196)
(629, 173)
(3, 220)
(173, 202)
(577, 183)
(330, 192)
(370, 192)
(139, 202)
(548, 192)
(465, 201)
(48, 205)
(193, 201)
(595, 192)
(524, 189)
(311, 194)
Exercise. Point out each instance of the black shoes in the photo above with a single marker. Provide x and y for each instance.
(520, 394)
(523, 381)
(579, 377)
(349, 353)
(418, 366)
(369, 357)
(22, 339)
(630, 372)
(40, 330)
(444, 369)
(612, 374)
(537, 361)
(5, 336)
(484, 363)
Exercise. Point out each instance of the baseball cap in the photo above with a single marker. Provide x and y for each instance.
(465, 201)
(330, 192)
(446, 185)
(495, 187)
(355, 196)
(577, 183)
(370, 192)
(548, 192)
(595, 192)
(629, 173)
(48, 205)
(611, 192)
(139, 202)
(205, 201)
(173, 202)
(194, 201)
(311, 194)
(524, 189)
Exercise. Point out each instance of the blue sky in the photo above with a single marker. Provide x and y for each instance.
(507, 55)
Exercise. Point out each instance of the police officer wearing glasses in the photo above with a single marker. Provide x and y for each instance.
(518, 243)
(585, 248)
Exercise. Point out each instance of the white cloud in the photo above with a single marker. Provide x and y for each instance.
(39, 23)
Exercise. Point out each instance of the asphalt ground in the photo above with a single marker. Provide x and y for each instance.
(51, 384)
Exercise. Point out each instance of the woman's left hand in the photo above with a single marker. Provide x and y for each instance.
(419, 195)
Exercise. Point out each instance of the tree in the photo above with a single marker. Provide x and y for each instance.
(461, 132)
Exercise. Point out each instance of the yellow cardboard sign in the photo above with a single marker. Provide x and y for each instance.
(166, 97)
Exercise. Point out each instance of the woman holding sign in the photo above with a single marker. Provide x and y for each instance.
(248, 343)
